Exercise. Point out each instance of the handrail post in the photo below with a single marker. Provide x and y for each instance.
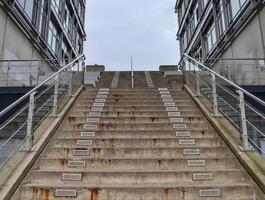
(28, 144)
(187, 71)
(198, 90)
(245, 143)
(132, 74)
(70, 87)
(214, 94)
(55, 96)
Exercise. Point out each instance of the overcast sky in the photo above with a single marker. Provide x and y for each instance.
(119, 29)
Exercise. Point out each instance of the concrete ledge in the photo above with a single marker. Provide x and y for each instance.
(253, 162)
(26, 160)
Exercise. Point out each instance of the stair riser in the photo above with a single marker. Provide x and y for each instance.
(232, 193)
(86, 104)
(138, 134)
(134, 126)
(134, 143)
(210, 164)
(137, 178)
(135, 114)
(136, 153)
(85, 120)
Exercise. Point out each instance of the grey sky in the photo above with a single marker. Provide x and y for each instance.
(119, 29)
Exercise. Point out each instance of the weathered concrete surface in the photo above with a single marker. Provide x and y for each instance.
(17, 167)
(139, 145)
(252, 161)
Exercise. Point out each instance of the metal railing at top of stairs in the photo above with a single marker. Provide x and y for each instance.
(244, 110)
(27, 113)
(16, 73)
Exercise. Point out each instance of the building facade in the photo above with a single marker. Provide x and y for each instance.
(228, 30)
(41, 29)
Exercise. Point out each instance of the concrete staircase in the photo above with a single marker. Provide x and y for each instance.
(136, 144)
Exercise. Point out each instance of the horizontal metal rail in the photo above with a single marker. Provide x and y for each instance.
(228, 81)
(247, 115)
(40, 85)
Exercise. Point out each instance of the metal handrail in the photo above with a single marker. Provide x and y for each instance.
(228, 81)
(40, 85)
(28, 60)
(226, 59)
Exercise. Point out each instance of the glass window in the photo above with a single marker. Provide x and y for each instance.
(53, 38)
(57, 5)
(210, 38)
(27, 6)
(235, 6)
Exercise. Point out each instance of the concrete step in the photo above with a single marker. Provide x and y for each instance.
(141, 177)
(110, 110)
(151, 163)
(158, 153)
(134, 142)
(223, 191)
(161, 113)
(70, 133)
(136, 126)
(128, 119)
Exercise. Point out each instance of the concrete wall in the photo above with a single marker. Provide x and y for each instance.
(248, 44)
(14, 44)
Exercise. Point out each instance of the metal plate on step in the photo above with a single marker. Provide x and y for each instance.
(169, 104)
(167, 100)
(164, 92)
(210, 193)
(102, 96)
(81, 152)
(176, 120)
(76, 163)
(183, 134)
(191, 151)
(97, 109)
(98, 104)
(103, 93)
(187, 142)
(104, 89)
(65, 193)
(171, 109)
(71, 176)
(88, 134)
(95, 114)
(84, 142)
(100, 100)
(179, 126)
(164, 96)
(90, 126)
(196, 163)
(174, 114)
(162, 89)
(202, 176)
(92, 120)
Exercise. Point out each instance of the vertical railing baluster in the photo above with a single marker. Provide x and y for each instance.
(28, 144)
(214, 95)
(55, 96)
(245, 143)
(198, 84)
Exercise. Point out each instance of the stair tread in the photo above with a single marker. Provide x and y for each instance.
(76, 170)
(137, 186)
